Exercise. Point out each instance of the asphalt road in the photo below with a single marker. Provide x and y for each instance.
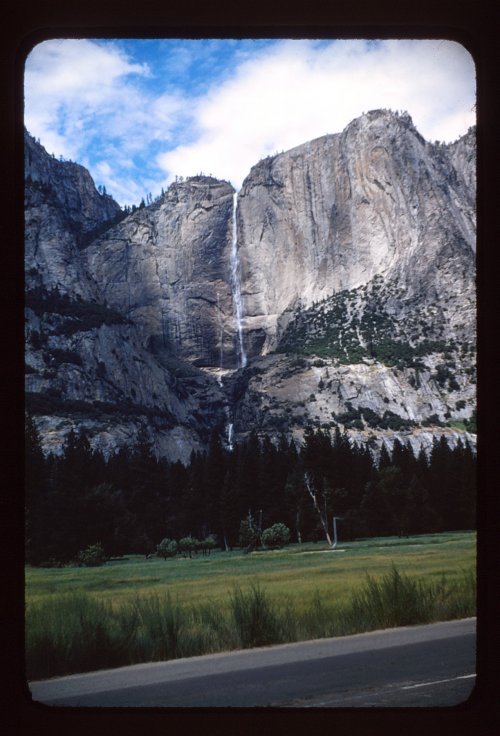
(431, 665)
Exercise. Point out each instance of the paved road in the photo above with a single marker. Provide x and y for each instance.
(410, 666)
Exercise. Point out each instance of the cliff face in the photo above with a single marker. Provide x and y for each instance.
(86, 362)
(62, 208)
(168, 267)
(345, 275)
(334, 213)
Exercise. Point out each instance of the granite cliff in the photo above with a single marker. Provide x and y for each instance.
(337, 287)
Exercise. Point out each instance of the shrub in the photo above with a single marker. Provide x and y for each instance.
(91, 556)
(187, 544)
(167, 548)
(249, 536)
(276, 536)
(209, 543)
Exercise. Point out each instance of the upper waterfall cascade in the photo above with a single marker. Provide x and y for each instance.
(236, 283)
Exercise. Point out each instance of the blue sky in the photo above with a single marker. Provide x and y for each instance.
(139, 112)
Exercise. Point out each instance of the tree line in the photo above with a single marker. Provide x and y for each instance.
(131, 501)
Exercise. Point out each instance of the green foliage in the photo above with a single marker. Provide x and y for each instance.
(131, 501)
(208, 543)
(78, 632)
(444, 377)
(249, 536)
(167, 548)
(276, 536)
(400, 600)
(433, 421)
(351, 326)
(471, 424)
(91, 556)
(188, 545)
(256, 621)
(51, 402)
(80, 315)
(159, 628)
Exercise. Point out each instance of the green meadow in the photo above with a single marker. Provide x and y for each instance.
(134, 609)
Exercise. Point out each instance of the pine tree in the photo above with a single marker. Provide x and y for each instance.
(440, 482)
(213, 480)
(37, 513)
(385, 460)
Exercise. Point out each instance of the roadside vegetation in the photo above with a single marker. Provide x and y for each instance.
(236, 550)
(134, 610)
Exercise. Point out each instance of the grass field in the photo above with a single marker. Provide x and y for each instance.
(157, 609)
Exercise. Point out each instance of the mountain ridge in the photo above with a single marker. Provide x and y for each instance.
(355, 250)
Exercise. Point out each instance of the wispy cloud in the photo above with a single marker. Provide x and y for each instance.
(297, 91)
(87, 101)
(137, 113)
(71, 87)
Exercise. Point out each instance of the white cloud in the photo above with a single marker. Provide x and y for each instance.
(77, 90)
(298, 91)
(67, 83)
(137, 125)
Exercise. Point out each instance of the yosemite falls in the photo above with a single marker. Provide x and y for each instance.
(335, 289)
(236, 283)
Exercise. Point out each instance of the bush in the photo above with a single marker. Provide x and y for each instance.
(276, 536)
(209, 543)
(91, 556)
(167, 548)
(188, 544)
(249, 536)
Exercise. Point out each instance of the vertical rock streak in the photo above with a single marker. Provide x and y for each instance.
(221, 340)
(236, 284)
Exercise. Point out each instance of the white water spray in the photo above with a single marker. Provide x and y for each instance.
(236, 284)
(230, 436)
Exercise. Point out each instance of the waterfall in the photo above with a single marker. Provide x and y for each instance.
(236, 284)
(238, 305)
(230, 436)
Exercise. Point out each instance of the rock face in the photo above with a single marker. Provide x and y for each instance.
(332, 214)
(86, 364)
(62, 209)
(336, 289)
(168, 267)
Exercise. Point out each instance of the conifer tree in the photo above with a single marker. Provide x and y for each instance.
(37, 511)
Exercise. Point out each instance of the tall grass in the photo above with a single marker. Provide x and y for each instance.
(76, 633)
(256, 619)
(395, 600)
(159, 627)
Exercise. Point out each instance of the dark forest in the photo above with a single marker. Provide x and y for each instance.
(129, 502)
